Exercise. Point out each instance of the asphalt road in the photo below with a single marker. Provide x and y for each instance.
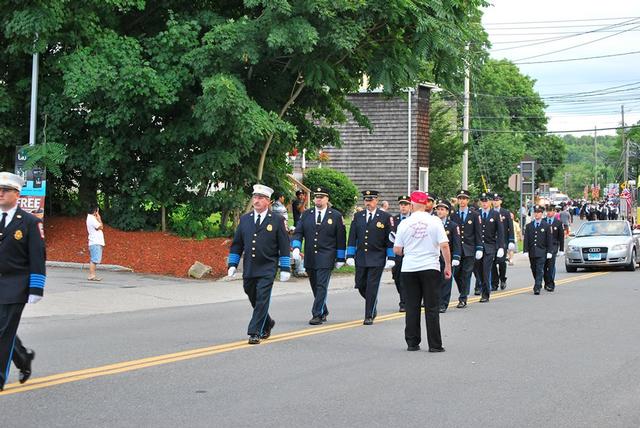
(156, 352)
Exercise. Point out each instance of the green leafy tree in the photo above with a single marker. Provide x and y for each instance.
(343, 193)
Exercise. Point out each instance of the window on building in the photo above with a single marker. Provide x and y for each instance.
(423, 178)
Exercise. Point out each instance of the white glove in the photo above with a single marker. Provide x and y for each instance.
(526, 253)
(479, 254)
(232, 271)
(295, 255)
(512, 246)
(561, 253)
(455, 262)
(339, 265)
(34, 298)
(389, 264)
(500, 253)
(549, 255)
(284, 276)
(351, 262)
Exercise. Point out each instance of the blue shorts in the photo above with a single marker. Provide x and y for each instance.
(95, 253)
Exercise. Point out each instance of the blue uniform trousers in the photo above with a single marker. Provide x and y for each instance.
(550, 272)
(368, 283)
(485, 270)
(445, 284)
(463, 276)
(319, 281)
(10, 314)
(259, 292)
(537, 269)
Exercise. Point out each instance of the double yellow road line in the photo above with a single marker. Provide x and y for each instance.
(126, 366)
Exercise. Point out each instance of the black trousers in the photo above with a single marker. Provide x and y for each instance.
(485, 268)
(319, 281)
(9, 320)
(368, 283)
(396, 272)
(463, 276)
(422, 286)
(499, 271)
(537, 270)
(259, 292)
(550, 272)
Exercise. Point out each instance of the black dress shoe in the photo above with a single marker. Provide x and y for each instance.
(484, 299)
(401, 308)
(443, 309)
(368, 321)
(254, 339)
(503, 285)
(413, 348)
(476, 292)
(461, 305)
(551, 289)
(267, 330)
(436, 349)
(494, 288)
(25, 372)
(324, 317)
(536, 292)
(315, 321)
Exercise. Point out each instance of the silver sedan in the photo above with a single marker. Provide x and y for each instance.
(603, 243)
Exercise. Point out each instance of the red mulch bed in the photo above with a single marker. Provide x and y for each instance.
(145, 252)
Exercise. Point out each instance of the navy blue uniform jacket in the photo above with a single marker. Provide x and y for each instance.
(324, 244)
(452, 230)
(492, 232)
(507, 222)
(557, 235)
(22, 259)
(470, 232)
(537, 241)
(265, 247)
(370, 243)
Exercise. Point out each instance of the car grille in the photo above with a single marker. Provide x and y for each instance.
(595, 250)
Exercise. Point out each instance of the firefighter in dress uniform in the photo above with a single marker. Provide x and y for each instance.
(451, 228)
(324, 234)
(537, 245)
(471, 239)
(492, 243)
(262, 237)
(22, 274)
(557, 248)
(404, 204)
(499, 274)
(370, 250)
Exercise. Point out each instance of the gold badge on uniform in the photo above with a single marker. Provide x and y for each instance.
(269, 228)
(329, 221)
(18, 235)
(379, 225)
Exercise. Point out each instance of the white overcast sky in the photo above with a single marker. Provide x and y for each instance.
(513, 23)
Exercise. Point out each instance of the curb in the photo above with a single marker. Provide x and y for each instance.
(72, 265)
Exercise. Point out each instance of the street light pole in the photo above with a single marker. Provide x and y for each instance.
(465, 131)
(34, 98)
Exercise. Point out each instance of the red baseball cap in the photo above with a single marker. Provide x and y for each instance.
(419, 197)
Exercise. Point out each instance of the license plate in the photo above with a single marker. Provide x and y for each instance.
(594, 256)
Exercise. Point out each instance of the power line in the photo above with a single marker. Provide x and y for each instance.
(558, 21)
(580, 59)
(569, 131)
(579, 44)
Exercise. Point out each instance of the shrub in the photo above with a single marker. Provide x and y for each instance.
(344, 193)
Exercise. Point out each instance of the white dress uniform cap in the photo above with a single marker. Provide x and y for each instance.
(260, 189)
(10, 180)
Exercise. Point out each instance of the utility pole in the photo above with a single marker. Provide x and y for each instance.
(595, 155)
(34, 97)
(625, 147)
(465, 130)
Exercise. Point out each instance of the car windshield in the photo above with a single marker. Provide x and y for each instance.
(603, 228)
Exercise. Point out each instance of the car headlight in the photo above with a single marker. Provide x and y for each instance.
(574, 248)
(619, 247)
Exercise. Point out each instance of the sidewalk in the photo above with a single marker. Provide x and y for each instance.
(69, 293)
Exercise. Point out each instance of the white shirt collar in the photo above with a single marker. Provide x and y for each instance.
(373, 213)
(262, 215)
(10, 215)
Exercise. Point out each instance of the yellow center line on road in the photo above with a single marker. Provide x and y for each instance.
(126, 366)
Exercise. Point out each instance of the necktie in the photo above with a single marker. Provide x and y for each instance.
(319, 219)
(258, 220)
(369, 219)
(3, 223)
(463, 215)
(537, 225)
(484, 216)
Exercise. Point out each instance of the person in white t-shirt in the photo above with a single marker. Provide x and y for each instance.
(421, 239)
(96, 241)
